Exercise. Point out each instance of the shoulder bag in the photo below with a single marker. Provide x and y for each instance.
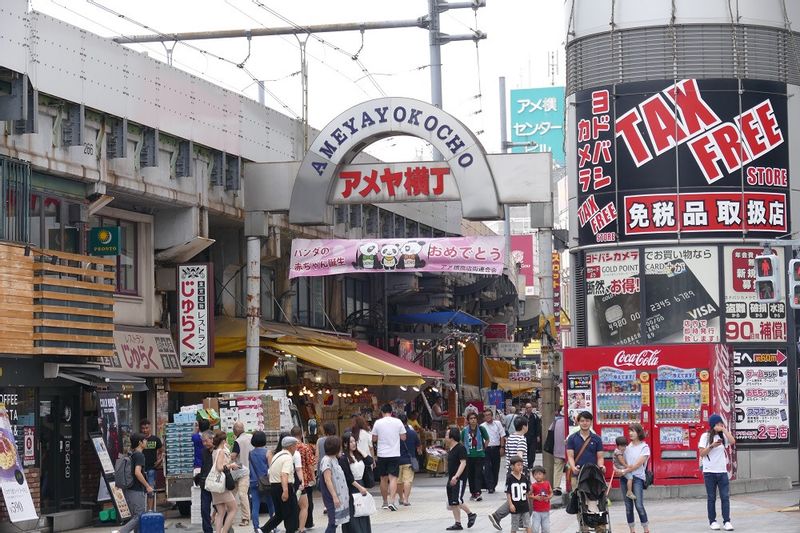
(215, 480)
(573, 506)
(368, 481)
(230, 484)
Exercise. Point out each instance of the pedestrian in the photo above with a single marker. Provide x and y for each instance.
(494, 448)
(281, 486)
(259, 469)
(136, 495)
(541, 492)
(474, 438)
(153, 451)
(242, 445)
(224, 502)
(534, 434)
(308, 478)
(388, 432)
(328, 430)
(714, 444)
(556, 445)
(363, 436)
(584, 447)
(409, 463)
(456, 465)
(508, 420)
(516, 446)
(333, 487)
(197, 442)
(413, 421)
(352, 463)
(637, 454)
(518, 486)
(207, 461)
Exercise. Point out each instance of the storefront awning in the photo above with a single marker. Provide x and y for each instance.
(392, 359)
(439, 318)
(227, 375)
(93, 376)
(143, 352)
(498, 373)
(230, 335)
(353, 367)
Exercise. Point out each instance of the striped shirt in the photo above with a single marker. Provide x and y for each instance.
(516, 445)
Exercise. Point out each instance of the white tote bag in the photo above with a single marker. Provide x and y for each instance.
(364, 505)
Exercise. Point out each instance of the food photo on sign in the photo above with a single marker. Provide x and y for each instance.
(702, 157)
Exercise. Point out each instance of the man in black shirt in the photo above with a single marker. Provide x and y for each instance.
(456, 463)
(534, 434)
(205, 496)
(136, 495)
(153, 452)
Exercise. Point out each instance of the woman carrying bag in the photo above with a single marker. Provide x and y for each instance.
(224, 502)
(333, 485)
(259, 479)
(353, 465)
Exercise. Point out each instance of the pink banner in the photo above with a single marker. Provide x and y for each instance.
(474, 255)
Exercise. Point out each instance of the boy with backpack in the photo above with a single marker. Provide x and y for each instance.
(129, 474)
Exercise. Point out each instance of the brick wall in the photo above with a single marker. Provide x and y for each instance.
(33, 477)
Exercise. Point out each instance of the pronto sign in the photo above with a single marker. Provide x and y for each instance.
(349, 133)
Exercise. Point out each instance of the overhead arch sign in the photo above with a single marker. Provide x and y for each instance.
(322, 176)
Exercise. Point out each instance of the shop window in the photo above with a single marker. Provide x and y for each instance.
(21, 405)
(15, 183)
(128, 258)
(356, 295)
(309, 303)
(50, 224)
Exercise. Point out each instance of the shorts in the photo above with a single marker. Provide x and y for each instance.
(520, 521)
(406, 474)
(454, 498)
(388, 466)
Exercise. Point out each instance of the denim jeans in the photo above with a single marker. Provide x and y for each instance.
(255, 504)
(151, 478)
(721, 481)
(638, 491)
(540, 521)
(205, 511)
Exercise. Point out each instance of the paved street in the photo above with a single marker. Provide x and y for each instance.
(751, 512)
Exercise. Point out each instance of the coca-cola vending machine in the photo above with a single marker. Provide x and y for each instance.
(670, 389)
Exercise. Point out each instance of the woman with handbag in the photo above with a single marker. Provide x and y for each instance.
(333, 485)
(259, 479)
(224, 501)
(352, 463)
(637, 454)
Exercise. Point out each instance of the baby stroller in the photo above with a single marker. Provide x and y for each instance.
(592, 496)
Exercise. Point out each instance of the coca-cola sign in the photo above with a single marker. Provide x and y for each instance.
(645, 357)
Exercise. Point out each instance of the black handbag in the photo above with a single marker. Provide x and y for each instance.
(648, 478)
(263, 483)
(573, 506)
(549, 442)
(230, 484)
(368, 480)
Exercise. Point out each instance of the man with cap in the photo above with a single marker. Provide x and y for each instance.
(281, 479)
(713, 444)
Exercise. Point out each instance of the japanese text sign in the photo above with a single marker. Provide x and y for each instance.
(473, 255)
(702, 157)
(196, 315)
(522, 253)
(143, 352)
(538, 115)
(613, 297)
(395, 182)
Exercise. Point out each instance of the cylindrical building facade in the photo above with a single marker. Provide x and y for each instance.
(684, 120)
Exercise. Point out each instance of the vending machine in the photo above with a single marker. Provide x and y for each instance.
(671, 390)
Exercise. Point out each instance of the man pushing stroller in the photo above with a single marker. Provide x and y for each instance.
(585, 448)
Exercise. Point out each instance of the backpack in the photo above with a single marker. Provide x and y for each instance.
(123, 472)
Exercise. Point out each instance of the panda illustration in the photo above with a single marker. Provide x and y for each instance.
(409, 255)
(389, 256)
(367, 256)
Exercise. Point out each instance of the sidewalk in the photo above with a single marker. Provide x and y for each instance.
(750, 512)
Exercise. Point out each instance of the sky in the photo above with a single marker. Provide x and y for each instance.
(522, 35)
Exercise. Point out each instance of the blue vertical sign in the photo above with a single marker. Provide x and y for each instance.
(538, 115)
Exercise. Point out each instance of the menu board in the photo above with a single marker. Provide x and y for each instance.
(613, 297)
(619, 396)
(761, 396)
(682, 296)
(118, 496)
(579, 394)
(747, 320)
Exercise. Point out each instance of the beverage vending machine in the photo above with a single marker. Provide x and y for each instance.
(671, 390)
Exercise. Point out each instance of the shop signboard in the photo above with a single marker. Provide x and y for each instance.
(394, 182)
(682, 296)
(747, 319)
(521, 375)
(613, 297)
(522, 253)
(196, 315)
(496, 332)
(537, 117)
(16, 493)
(579, 394)
(509, 349)
(104, 241)
(143, 352)
(557, 289)
(761, 396)
(323, 257)
(665, 159)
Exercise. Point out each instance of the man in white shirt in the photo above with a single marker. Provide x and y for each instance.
(388, 432)
(494, 449)
(241, 454)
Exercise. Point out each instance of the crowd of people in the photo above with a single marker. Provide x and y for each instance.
(344, 467)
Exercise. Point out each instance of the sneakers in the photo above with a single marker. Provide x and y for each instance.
(392, 507)
(478, 498)
(631, 495)
(495, 523)
(557, 492)
(714, 525)
(385, 506)
(471, 517)
(727, 526)
(455, 527)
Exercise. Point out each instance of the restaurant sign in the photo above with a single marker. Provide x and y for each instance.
(196, 315)
(139, 351)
